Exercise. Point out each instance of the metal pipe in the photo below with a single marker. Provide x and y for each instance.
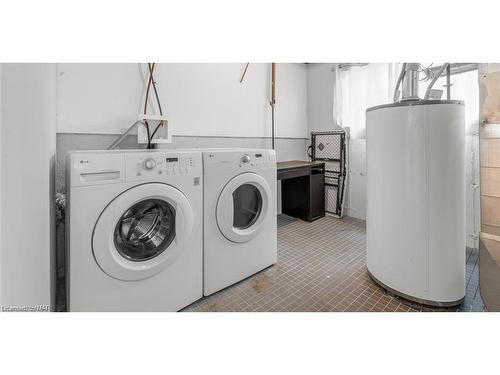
(431, 84)
(244, 72)
(346, 66)
(272, 121)
(409, 85)
(448, 82)
(122, 137)
(400, 78)
(456, 68)
(273, 99)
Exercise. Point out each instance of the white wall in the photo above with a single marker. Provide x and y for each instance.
(27, 166)
(320, 85)
(199, 99)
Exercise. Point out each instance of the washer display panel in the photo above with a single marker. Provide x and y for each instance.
(243, 206)
(142, 231)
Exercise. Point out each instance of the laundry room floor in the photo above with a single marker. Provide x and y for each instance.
(321, 267)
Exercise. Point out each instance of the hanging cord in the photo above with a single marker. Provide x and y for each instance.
(146, 104)
(434, 79)
(156, 129)
(426, 71)
(149, 85)
(151, 68)
(143, 122)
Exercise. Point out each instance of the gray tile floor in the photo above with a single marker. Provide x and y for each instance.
(321, 267)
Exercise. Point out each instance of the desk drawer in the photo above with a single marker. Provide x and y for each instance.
(292, 173)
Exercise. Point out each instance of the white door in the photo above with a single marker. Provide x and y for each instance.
(243, 206)
(142, 231)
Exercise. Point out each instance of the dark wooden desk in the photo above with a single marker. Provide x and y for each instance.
(302, 189)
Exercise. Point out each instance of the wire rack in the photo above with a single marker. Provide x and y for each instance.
(330, 148)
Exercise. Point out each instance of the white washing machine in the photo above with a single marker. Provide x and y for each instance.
(240, 235)
(134, 230)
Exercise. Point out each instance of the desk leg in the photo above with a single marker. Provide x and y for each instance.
(279, 198)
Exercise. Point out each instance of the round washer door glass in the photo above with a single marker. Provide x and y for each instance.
(247, 206)
(243, 207)
(142, 231)
(145, 230)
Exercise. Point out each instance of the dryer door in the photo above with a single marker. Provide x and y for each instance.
(243, 206)
(142, 231)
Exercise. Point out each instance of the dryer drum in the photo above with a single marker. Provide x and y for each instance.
(247, 204)
(145, 230)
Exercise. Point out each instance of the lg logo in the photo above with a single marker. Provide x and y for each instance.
(84, 161)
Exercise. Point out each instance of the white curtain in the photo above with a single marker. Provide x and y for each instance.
(359, 87)
(355, 89)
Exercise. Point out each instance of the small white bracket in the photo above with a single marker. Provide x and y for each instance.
(163, 134)
(435, 94)
(149, 117)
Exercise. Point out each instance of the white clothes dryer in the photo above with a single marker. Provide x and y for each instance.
(240, 223)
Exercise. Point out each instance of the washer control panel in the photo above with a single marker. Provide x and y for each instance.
(149, 163)
(160, 165)
(220, 161)
(245, 158)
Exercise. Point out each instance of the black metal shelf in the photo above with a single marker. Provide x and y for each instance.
(330, 147)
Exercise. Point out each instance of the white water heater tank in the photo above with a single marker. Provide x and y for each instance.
(416, 199)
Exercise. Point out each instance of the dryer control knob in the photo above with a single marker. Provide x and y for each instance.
(149, 163)
(245, 159)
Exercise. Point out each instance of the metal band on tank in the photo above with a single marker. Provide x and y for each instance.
(415, 102)
(416, 299)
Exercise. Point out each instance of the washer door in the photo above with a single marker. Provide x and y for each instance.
(243, 206)
(142, 231)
